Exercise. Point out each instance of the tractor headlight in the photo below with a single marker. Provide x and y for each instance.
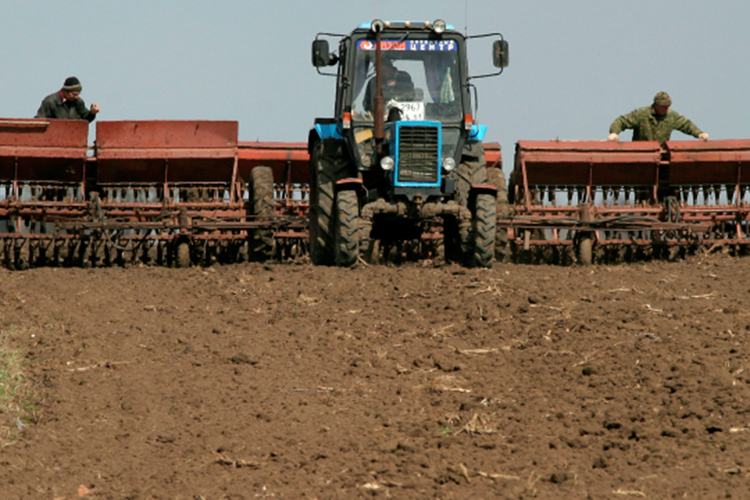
(438, 26)
(449, 164)
(387, 163)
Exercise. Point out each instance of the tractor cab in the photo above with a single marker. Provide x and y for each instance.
(419, 83)
(422, 71)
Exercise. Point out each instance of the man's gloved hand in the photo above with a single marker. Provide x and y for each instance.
(703, 136)
(613, 137)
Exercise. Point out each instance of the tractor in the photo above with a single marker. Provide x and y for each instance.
(401, 164)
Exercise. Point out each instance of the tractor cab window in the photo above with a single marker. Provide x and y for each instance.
(420, 80)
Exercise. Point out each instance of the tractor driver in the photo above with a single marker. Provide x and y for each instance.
(654, 123)
(396, 85)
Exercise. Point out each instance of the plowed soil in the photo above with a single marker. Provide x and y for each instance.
(415, 381)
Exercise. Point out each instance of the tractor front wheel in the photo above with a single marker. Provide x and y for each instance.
(347, 234)
(484, 228)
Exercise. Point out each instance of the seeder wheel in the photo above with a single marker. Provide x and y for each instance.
(585, 250)
(263, 207)
(182, 254)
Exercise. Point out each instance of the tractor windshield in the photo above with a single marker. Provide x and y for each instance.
(419, 77)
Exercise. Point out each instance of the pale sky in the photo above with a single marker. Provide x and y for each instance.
(574, 65)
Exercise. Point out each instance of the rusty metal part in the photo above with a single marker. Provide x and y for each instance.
(150, 188)
(493, 155)
(43, 169)
(629, 194)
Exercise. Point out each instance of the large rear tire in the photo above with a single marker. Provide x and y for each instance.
(262, 240)
(347, 228)
(503, 250)
(484, 228)
(329, 163)
(471, 170)
(459, 234)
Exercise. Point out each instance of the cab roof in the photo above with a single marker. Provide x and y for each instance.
(406, 24)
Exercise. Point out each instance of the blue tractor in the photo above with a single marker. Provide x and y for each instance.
(402, 158)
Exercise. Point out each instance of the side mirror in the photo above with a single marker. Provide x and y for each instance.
(500, 56)
(320, 55)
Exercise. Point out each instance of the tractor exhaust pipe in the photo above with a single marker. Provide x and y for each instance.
(379, 105)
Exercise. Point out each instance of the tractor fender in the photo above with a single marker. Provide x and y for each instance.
(312, 139)
(484, 188)
(350, 184)
(477, 189)
(477, 133)
(324, 129)
(328, 131)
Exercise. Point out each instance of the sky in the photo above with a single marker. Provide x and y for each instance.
(575, 65)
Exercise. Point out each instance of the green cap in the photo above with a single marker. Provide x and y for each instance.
(662, 99)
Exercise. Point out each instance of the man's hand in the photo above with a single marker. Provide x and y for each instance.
(613, 137)
(703, 136)
(94, 108)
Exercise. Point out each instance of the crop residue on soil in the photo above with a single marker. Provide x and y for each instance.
(293, 381)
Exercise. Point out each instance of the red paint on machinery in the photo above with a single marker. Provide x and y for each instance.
(155, 188)
(624, 196)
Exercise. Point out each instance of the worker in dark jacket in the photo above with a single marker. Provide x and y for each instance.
(66, 104)
(655, 123)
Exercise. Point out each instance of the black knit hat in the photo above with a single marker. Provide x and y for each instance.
(72, 84)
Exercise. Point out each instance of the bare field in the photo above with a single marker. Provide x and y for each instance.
(292, 381)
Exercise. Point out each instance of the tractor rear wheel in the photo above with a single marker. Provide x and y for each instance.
(347, 235)
(484, 228)
(262, 240)
(471, 170)
(329, 163)
(496, 177)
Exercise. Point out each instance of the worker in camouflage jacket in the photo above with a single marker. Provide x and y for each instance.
(654, 123)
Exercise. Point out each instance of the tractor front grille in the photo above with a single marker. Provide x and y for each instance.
(418, 154)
